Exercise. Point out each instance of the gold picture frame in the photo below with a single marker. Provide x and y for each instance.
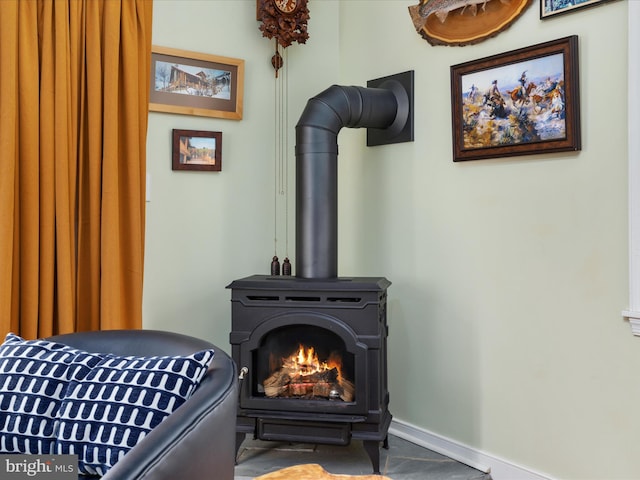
(192, 83)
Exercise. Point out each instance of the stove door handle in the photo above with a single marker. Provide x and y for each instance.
(243, 373)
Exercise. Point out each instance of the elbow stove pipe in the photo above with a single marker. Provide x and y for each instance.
(316, 153)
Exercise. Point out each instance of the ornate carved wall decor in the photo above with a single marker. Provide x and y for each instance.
(284, 20)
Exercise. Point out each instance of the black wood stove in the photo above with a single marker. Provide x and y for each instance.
(312, 349)
(346, 318)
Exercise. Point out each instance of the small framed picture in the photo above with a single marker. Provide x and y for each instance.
(521, 102)
(192, 83)
(197, 150)
(549, 8)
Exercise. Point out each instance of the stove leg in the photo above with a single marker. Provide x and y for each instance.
(385, 443)
(239, 440)
(372, 447)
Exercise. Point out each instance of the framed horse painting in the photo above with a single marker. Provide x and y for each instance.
(520, 102)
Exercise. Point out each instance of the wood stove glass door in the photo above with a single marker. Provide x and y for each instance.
(299, 367)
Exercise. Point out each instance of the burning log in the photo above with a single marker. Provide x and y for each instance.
(276, 384)
(348, 390)
(322, 390)
(288, 382)
(327, 376)
(302, 375)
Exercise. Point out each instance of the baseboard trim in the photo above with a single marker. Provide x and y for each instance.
(498, 468)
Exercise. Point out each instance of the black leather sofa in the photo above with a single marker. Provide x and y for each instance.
(198, 439)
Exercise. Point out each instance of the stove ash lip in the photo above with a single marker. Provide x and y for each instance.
(387, 107)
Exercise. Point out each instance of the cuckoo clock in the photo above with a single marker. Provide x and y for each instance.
(284, 20)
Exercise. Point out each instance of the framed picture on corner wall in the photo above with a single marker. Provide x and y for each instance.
(550, 8)
(192, 83)
(521, 102)
(197, 150)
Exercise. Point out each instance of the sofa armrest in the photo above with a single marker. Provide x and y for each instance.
(195, 440)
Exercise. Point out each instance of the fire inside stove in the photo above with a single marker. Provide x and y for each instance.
(304, 375)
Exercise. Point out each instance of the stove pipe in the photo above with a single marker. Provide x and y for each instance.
(317, 165)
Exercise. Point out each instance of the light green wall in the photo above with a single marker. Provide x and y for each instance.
(509, 275)
(206, 229)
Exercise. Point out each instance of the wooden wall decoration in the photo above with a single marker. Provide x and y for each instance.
(284, 20)
(464, 22)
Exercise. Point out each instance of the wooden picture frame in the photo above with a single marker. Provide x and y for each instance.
(192, 83)
(197, 150)
(521, 102)
(550, 8)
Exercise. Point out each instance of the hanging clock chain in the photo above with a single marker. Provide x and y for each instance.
(281, 150)
(275, 264)
(286, 265)
(283, 127)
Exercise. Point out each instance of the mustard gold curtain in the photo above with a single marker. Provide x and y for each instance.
(74, 86)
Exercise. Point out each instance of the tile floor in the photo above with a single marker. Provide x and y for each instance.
(403, 461)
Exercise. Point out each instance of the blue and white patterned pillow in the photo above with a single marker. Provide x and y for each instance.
(34, 375)
(106, 413)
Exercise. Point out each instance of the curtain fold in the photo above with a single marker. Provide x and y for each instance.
(74, 87)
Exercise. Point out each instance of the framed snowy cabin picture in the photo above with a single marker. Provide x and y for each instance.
(192, 83)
